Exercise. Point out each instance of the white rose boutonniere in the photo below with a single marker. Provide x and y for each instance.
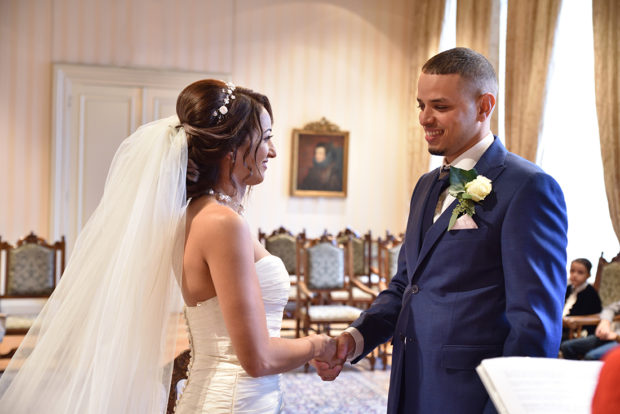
(468, 188)
(478, 188)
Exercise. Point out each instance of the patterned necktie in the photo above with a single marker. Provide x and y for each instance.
(437, 188)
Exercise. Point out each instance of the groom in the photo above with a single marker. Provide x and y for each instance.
(491, 286)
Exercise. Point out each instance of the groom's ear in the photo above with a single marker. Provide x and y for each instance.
(486, 104)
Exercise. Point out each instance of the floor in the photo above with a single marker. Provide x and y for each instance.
(358, 389)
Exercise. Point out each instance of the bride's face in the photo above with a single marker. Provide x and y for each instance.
(261, 149)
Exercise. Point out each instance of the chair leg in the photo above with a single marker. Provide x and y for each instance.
(306, 327)
(372, 359)
(384, 357)
(9, 354)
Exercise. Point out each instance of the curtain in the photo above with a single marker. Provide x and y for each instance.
(529, 42)
(606, 25)
(428, 20)
(477, 27)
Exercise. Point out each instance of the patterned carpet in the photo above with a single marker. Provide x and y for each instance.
(356, 390)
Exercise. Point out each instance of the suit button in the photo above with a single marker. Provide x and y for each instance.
(405, 339)
(415, 289)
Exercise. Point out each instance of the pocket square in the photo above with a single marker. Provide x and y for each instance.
(464, 222)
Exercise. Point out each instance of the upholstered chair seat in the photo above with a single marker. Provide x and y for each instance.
(15, 323)
(333, 313)
(357, 294)
(371, 281)
(292, 293)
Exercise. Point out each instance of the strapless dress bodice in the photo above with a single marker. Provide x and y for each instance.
(216, 381)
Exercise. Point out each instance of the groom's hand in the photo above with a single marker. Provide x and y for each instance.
(329, 370)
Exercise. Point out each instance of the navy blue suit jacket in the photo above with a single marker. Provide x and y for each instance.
(461, 296)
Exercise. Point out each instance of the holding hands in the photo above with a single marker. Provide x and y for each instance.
(323, 347)
(329, 368)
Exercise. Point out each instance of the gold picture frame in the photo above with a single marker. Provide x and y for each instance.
(320, 160)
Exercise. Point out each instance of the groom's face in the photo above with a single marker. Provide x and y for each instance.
(448, 113)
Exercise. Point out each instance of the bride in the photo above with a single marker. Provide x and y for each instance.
(170, 216)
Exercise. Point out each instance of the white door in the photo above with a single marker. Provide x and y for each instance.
(101, 117)
(95, 108)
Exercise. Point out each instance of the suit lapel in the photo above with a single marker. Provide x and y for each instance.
(413, 237)
(491, 164)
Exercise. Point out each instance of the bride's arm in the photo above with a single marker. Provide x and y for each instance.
(227, 247)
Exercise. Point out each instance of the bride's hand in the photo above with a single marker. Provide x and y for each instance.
(324, 348)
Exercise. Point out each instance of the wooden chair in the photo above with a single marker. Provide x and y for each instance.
(387, 261)
(2, 326)
(362, 255)
(361, 248)
(32, 269)
(322, 268)
(179, 372)
(607, 283)
(283, 244)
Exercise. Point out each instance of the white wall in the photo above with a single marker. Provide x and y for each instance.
(345, 60)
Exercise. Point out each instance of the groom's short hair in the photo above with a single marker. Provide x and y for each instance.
(469, 64)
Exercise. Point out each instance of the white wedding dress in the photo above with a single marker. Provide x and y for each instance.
(216, 381)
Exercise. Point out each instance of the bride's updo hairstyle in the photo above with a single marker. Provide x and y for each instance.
(212, 133)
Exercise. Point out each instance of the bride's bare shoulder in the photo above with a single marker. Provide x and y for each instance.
(212, 219)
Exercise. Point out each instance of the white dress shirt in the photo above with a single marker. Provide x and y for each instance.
(572, 298)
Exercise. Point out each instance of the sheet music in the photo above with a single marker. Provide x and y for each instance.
(524, 385)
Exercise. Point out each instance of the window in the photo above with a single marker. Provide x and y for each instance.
(569, 148)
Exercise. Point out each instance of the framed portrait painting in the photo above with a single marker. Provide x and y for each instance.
(320, 160)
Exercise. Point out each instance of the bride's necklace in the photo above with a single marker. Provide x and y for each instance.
(227, 200)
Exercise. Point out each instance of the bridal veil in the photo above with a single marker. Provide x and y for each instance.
(104, 341)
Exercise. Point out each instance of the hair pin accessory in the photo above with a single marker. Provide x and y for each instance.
(223, 110)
